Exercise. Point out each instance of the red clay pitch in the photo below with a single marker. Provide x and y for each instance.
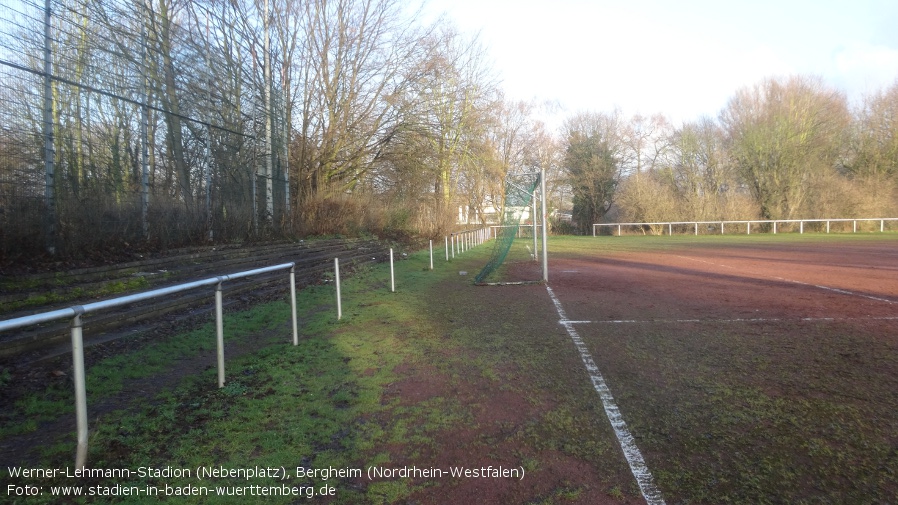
(706, 344)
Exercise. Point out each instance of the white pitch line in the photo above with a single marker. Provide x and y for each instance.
(837, 290)
(628, 444)
(827, 288)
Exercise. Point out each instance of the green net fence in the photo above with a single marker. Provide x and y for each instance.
(518, 197)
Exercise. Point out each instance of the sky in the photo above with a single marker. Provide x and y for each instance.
(682, 58)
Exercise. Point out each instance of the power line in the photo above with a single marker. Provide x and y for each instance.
(122, 98)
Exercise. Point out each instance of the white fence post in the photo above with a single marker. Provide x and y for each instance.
(219, 334)
(801, 227)
(80, 391)
(337, 280)
(392, 277)
(293, 305)
(431, 254)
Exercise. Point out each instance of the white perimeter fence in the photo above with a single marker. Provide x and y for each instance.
(456, 243)
(739, 226)
(77, 311)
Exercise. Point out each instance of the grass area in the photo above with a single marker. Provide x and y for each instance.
(611, 244)
(52, 296)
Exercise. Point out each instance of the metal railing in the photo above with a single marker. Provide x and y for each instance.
(462, 241)
(75, 313)
(748, 223)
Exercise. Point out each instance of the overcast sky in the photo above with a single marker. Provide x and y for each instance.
(682, 58)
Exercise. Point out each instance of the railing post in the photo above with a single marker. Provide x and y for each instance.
(800, 227)
(80, 391)
(447, 247)
(337, 280)
(696, 229)
(827, 226)
(721, 227)
(669, 230)
(431, 254)
(293, 305)
(774, 227)
(618, 230)
(392, 277)
(855, 226)
(748, 228)
(77, 334)
(219, 334)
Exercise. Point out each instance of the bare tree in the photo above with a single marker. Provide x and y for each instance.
(874, 149)
(645, 140)
(452, 88)
(354, 57)
(779, 133)
(511, 134)
(704, 179)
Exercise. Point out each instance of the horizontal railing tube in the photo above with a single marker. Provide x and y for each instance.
(75, 313)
